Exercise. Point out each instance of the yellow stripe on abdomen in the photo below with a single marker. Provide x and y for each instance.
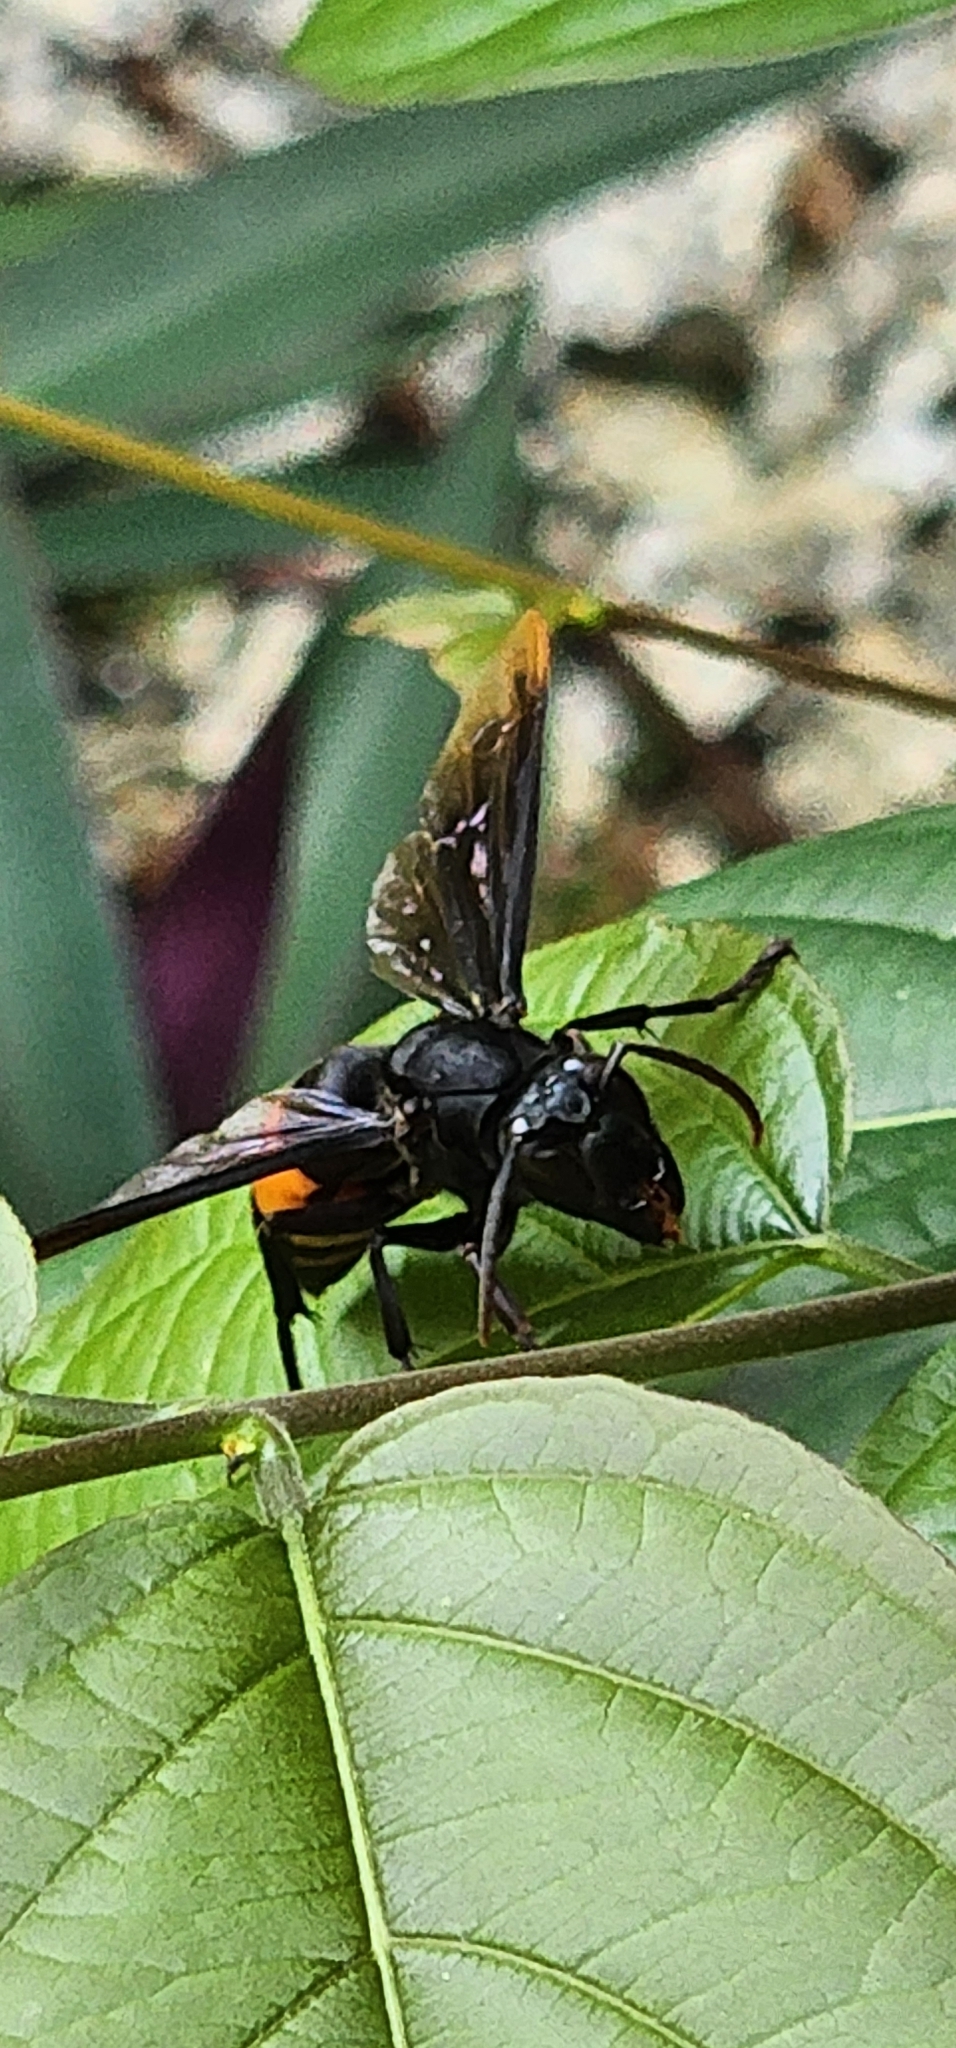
(319, 1260)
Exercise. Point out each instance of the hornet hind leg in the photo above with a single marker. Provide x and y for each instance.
(287, 1302)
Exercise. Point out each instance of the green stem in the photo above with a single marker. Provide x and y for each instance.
(650, 1355)
(561, 602)
(313, 515)
(65, 1415)
(71, 1415)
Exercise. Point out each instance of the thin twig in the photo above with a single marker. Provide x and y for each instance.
(192, 473)
(560, 601)
(651, 1355)
(812, 670)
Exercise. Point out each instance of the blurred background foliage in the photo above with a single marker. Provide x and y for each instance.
(689, 339)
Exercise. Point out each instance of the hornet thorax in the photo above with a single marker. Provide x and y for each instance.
(579, 1128)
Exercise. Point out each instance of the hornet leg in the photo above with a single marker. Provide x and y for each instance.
(287, 1302)
(397, 1334)
(637, 1015)
(450, 1234)
(508, 1310)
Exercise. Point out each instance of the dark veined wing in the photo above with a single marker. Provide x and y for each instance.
(449, 912)
(299, 1127)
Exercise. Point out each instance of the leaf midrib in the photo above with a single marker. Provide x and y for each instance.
(315, 1623)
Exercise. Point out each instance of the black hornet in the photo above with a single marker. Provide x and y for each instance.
(470, 1102)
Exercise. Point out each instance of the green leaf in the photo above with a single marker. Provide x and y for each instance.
(899, 1189)
(178, 1309)
(412, 51)
(783, 1044)
(374, 722)
(908, 1456)
(898, 1194)
(35, 221)
(76, 1104)
(170, 1676)
(459, 630)
(613, 1718)
(825, 1399)
(871, 911)
(185, 308)
(18, 1287)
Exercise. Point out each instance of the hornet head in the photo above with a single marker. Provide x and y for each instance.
(582, 1139)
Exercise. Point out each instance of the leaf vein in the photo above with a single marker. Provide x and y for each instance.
(557, 1973)
(786, 1536)
(131, 1791)
(648, 1688)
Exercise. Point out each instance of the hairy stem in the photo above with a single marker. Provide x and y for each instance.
(650, 1355)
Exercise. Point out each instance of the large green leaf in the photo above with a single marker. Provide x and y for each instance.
(410, 50)
(825, 1399)
(33, 222)
(375, 719)
(75, 1105)
(898, 1193)
(180, 309)
(612, 1719)
(908, 1456)
(179, 1309)
(871, 911)
(783, 1043)
(899, 1190)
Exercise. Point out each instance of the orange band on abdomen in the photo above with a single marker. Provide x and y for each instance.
(279, 1191)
